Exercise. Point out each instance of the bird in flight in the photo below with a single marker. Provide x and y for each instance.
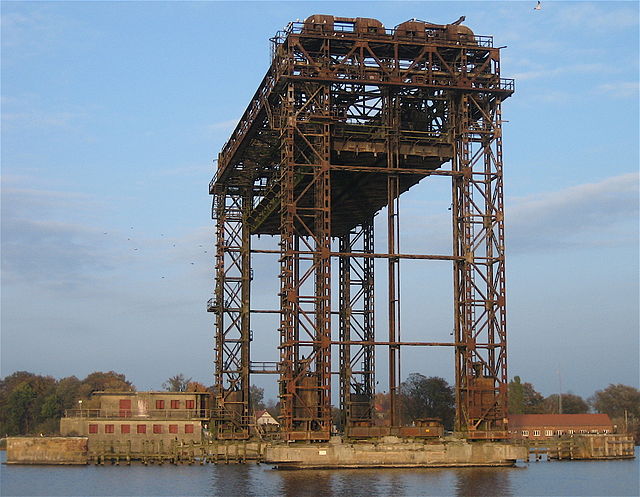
(538, 6)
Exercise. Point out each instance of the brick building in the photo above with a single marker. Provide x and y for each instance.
(138, 417)
(541, 426)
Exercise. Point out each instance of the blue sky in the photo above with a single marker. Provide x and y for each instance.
(113, 112)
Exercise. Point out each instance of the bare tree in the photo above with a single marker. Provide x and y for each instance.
(177, 383)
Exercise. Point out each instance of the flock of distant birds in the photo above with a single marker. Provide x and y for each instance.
(135, 249)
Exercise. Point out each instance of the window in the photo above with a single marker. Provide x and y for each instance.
(525, 433)
(141, 429)
(157, 428)
(189, 404)
(93, 428)
(108, 428)
(175, 404)
(560, 432)
(188, 428)
(125, 429)
(583, 431)
(605, 431)
(159, 404)
(548, 433)
(570, 432)
(125, 408)
(173, 428)
(536, 433)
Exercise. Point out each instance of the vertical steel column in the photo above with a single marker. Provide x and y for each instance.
(392, 121)
(479, 279)
(357, 367)
(322, 261)
(305, 330)
(231, 305)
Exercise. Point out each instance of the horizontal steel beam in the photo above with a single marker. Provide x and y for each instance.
(368, 255)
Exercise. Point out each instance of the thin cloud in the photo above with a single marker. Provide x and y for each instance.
(223, 125)
(604, 213)
(559, 71)
(33, 31)
(44, 240)
(49, 252)
(622, 89)
(590, 214)
(39, 119)
(187, 170)
(589, 16)
(33, 203)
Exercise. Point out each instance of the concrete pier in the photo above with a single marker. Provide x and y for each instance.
(385, 452)
(392, 452)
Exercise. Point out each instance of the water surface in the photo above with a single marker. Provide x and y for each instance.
(565, 478)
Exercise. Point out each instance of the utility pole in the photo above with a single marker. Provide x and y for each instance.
(560, 393)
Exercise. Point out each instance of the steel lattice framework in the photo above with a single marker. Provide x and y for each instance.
(348, 117)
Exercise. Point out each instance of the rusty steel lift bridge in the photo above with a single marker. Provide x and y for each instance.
(348, 117)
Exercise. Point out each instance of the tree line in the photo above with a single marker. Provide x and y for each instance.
(33, 404)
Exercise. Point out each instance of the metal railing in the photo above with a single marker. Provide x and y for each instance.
(212, 305)
(264, 367)
(507, 84)
(138, 414)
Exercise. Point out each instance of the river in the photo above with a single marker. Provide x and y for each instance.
(564, 478)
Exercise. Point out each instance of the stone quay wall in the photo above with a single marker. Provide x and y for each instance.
(47, 450)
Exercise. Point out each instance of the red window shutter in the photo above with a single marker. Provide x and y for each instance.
(108, 428)
(125, 408)
(159, 404)
(157, 428)
(142, 429)
(190, 404)
(125, 429)
(175, 404)
(188, 428)
(173, 428)
(93, 428)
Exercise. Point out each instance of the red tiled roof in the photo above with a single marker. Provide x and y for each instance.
(568, 420)
(260, 413)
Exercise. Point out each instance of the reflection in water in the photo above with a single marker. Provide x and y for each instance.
(369, 482)
(232, 476)
(306, 482)
(397, 484)
(483, 482)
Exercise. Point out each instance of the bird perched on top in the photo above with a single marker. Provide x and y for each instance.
(538, 6)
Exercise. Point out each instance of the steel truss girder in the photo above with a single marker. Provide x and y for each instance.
(372, 61)
(356, 314)
(231, 304)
